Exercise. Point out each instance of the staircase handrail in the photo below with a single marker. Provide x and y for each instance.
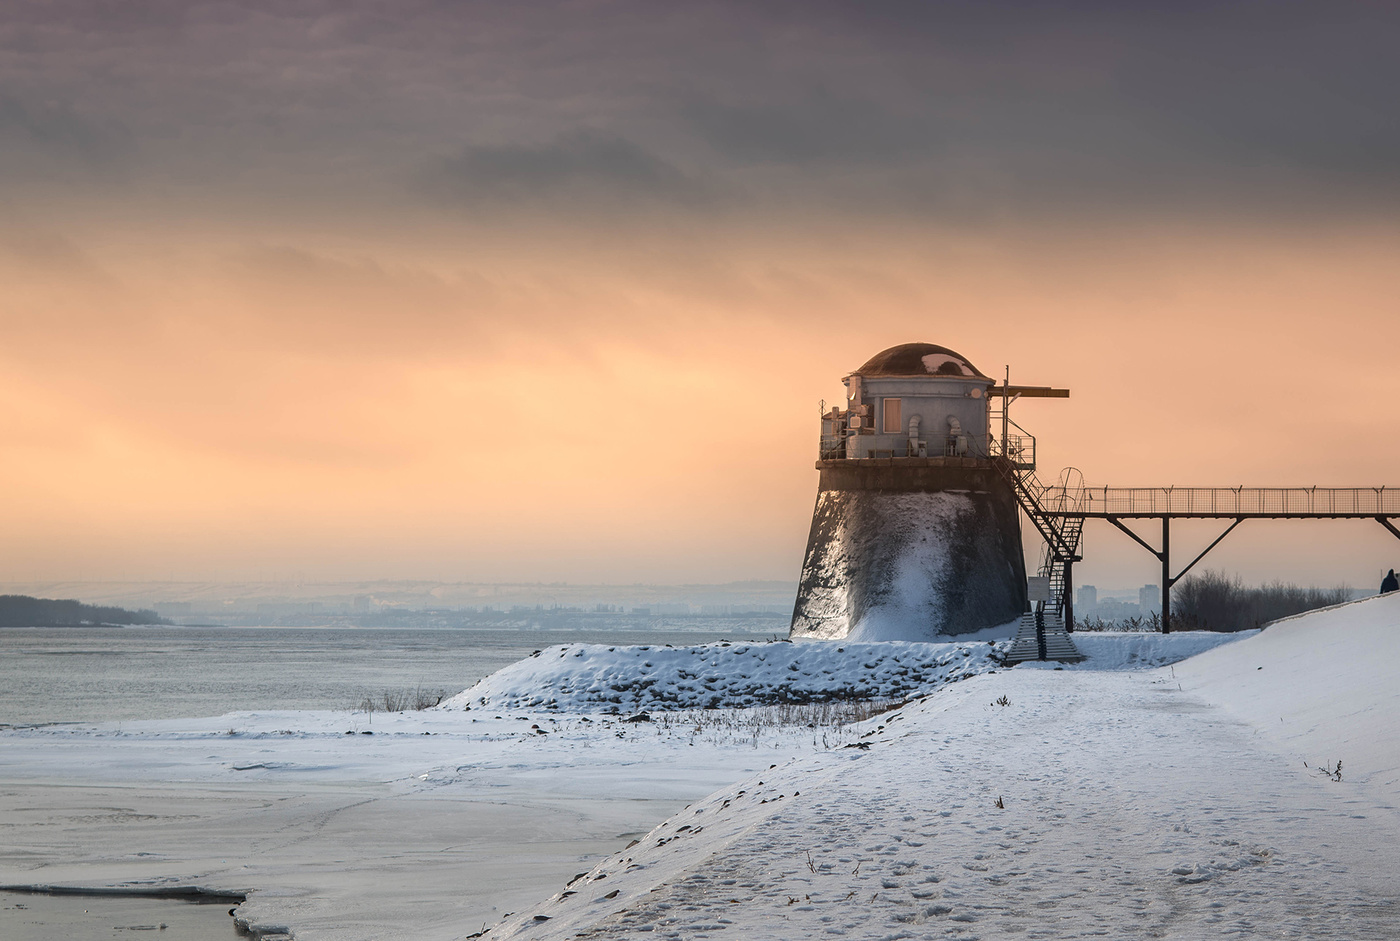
(1048, 531)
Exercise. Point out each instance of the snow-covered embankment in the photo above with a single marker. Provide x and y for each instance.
(584, 678)
(1082, 802)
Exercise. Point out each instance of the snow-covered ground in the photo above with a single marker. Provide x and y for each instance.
(595, 678)
(1055, 804)
(1136, 800)
(429, 828)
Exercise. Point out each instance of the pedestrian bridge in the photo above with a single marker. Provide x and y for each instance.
(1063, 509)
(1380, 503)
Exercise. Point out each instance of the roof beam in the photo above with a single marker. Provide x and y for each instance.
(1029, 392)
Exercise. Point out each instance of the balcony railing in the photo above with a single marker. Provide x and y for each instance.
(833, 448)
(1019, 450)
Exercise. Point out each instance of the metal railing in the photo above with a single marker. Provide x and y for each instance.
(833, 447)
(1226, 501)
(1019, 450)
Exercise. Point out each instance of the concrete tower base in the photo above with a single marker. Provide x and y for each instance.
(910, 549)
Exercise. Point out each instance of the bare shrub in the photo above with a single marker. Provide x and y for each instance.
(1150, 624)
(402, 700)
(1213, 601)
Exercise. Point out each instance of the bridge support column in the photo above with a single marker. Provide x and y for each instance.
(1069, 596)
(1166, 556)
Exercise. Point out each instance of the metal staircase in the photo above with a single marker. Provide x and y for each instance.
(1042, 634)
(1060, 532)
(1065, 496)
(1055, 511)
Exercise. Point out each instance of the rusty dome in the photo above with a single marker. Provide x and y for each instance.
(919, 359)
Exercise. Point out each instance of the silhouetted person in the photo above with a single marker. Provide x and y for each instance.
(1390, 582)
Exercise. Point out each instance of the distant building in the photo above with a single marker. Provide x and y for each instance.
(1112, 609)
(287, 608)
(1088, 600)
(1149, 600)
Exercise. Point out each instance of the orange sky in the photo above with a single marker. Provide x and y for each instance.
(308, 356)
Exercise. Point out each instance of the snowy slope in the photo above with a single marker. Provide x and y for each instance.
(1136, 650)
(1323, 684)
(590, 677)
(1131, 806)
(595, 678)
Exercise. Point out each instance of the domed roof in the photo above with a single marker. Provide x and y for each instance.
(919, 359)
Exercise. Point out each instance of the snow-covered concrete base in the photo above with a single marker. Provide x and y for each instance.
(893, 557)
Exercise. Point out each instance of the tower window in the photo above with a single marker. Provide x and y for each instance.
(894, 423)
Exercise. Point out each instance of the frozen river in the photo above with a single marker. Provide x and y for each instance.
(28, 917)
(119, 673)
(99, 796)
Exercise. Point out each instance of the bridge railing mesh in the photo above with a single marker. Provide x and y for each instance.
(1228, 501)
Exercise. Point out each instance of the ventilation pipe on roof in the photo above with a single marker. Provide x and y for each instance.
(916, 447)
(957, 441)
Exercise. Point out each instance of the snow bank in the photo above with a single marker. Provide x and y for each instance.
(591, 677)
(1322, 684)
(1021, 804)
(1135, 650)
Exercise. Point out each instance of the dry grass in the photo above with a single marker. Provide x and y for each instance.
(829, 722)
(402, 700)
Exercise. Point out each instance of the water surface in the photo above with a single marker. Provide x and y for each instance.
(95, 674)
(26, 917)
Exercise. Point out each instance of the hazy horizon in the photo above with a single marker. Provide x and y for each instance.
(552, 292)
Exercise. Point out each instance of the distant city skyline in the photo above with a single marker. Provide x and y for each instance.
(552, 291)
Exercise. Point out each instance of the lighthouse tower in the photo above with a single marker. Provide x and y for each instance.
(916, 533)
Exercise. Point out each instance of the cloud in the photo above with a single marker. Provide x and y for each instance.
(929, 110)
(45, 253)
(815, 126)
(49, 138)
(286, 297)
(581, 165)
(1072, 108)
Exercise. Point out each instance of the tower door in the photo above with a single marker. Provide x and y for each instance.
(893, 421)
